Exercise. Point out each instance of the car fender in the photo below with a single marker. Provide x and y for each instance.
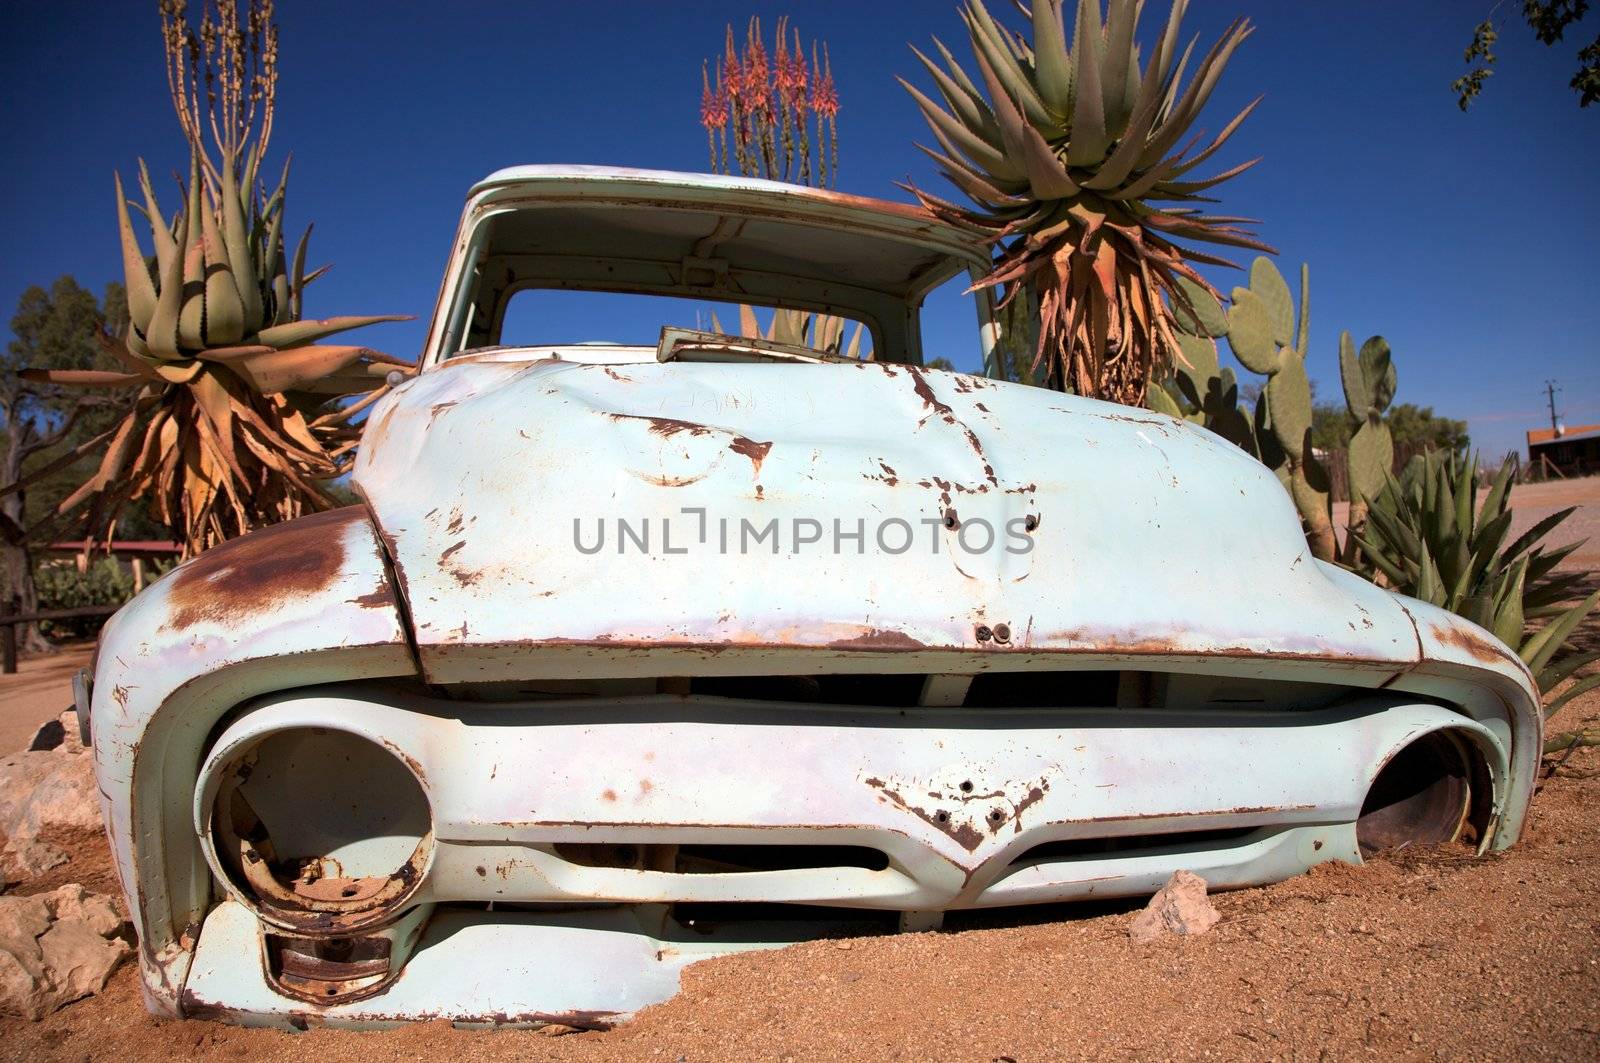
(307, 601)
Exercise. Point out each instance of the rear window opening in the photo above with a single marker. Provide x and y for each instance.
(540, 317)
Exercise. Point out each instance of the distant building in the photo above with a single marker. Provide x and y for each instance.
(1570, 451)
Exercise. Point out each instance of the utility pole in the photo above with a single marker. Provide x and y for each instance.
(1550, 390)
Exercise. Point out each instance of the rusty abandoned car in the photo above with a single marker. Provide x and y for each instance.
(632, 655)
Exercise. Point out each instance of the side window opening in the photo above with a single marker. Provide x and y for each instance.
(952, 332)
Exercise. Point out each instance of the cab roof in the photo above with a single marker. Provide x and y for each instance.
(734, 239)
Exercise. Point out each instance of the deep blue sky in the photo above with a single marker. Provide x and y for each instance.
(1469, 241)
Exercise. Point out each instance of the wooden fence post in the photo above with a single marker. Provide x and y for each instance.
(8, 633)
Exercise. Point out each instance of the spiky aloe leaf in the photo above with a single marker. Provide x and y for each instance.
(162, 334)
(272, 371)
(236, 238)
(192, 311)
(1050, 59)
(136, 273)
(224, 310)
(299, 333)
(160, 231)
(1538, 651)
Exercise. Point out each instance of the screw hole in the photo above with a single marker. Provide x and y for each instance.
(348, 891)
(966, 786)
(1030, 522)
(997, 815)
(942, 816)
(982, 633)
(950, 519)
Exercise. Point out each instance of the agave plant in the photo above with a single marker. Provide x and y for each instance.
(1427, 537)
(1066, 154)
(232, 423)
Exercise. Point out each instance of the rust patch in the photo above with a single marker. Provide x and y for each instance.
(1469, 642)
(668, 481)
(608, 795)
(380, 597)
(260, 571)
(878, 639)
(614, 375)
(665, 427)
(963, 834)
(756, 452)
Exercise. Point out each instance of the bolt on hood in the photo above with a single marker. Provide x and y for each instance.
(1130, 532)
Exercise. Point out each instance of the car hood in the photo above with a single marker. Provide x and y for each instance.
(534, 507)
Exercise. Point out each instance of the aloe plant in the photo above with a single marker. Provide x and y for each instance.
(231, 423)
(1071, 159)
(800, 328)
(1428, 537)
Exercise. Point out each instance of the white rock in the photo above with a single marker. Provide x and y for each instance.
(39, 792)
(55, 948)
(1180, 908)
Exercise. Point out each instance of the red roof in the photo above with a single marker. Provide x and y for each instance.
(1548, 435)
(120, 546)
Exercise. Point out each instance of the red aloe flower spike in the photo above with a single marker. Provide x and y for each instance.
(755, 69)
(780, 64)
(824, 96)
(732, 70)
(796, 74)
(713, 102)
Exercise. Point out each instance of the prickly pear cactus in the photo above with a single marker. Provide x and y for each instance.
(1269, 338)
(1369, 384)
(1200, 390)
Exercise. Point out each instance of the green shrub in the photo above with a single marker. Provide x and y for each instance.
(105, 582)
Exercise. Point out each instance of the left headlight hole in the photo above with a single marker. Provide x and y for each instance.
(1433, 791)
(321, 830)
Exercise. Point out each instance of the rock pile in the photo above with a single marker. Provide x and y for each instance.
(42, 791)
(57, 947)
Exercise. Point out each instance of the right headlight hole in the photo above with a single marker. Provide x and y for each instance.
(320, 829)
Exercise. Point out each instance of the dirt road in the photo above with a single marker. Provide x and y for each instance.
(1531, 503)
(40, 691)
